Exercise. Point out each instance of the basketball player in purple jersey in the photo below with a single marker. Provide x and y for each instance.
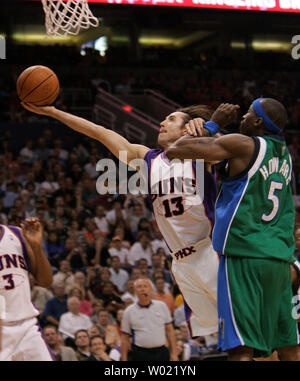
(21, 252)
(184, 220)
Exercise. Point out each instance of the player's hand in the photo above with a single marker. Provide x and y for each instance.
(41, 110)
(225, 114)
(32, 230)
(195, 127)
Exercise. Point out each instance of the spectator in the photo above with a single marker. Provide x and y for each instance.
(119, 250)
(100, 220)
(165, 297)
(179, 315)
(54, 249)
(57, 305)
(107, 331)
(97, 306)
(116, 214)
(73, 320)
(60, 352)
(77, 259)
(118, 277)
(158, 263)
(98, 349)
(85, 306)
(110, 298)
(141, 249)
(159, 242)
(64, 275)
(39, 295)
(93, 331)
(27, 152)
(90, 167)
(130, 292)
(142, 265)
(82, 342)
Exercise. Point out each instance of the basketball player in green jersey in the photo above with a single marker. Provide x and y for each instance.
(253, 232)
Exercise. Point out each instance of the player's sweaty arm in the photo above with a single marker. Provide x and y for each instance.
(112, 140)
(211, 149)
(40, 268)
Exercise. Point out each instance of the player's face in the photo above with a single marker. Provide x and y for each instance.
(247, 125)
(171, 129)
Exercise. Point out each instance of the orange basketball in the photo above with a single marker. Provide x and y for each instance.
(38, 85)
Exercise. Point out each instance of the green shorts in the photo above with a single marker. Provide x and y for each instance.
(255, 305)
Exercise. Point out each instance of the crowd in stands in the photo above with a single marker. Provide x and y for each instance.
(98, 245)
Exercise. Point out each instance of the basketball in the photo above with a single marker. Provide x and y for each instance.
(38, 85)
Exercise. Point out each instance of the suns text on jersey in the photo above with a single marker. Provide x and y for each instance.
(173, 185)
(8, 261)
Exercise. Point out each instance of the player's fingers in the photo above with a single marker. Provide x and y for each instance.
(190, 129)
(27, 106)
(199, 122)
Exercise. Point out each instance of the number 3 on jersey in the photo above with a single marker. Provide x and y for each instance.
(10, 282)
(275, 200)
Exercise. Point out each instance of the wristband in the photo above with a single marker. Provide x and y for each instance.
(212, 127)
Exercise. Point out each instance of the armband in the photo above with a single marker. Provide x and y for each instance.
(212, 127)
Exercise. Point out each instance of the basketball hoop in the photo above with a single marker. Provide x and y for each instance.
(67, 17)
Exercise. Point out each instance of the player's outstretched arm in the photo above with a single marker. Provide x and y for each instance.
(211, 149)
(112, 140)
(32, 233)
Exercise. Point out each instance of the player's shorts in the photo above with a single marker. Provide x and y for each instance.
(24, 341)
(255, 305)
(196, 273)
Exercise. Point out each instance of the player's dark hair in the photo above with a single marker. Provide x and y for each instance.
(197, 111)
(275, 111)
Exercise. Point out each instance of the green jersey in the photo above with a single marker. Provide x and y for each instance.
(255, 214)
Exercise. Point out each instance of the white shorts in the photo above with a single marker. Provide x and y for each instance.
(24, 341)
(196, 276)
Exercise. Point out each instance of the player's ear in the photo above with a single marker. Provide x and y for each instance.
(259, 122)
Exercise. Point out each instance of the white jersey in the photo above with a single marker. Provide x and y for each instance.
(183, 219)
(14, 276)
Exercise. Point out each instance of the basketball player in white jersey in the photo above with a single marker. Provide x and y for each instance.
(185, 222)
(20, 253)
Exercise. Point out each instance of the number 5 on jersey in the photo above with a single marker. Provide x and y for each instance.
(275, 200)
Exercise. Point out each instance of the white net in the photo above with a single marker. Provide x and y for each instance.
(67, 17)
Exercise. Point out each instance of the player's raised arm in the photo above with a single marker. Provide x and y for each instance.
(112, 140)
(211, 149)
(32, 233)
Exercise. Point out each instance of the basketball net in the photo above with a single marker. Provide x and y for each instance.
(67, 17)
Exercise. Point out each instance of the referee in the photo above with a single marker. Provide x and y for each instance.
(149, 324)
